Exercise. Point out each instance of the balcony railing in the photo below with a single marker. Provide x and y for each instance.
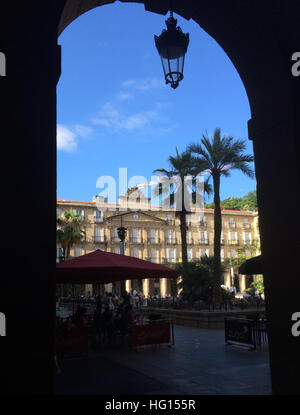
(170, 222)
(247, 242)
(231, 224)
(136, 240)
(115, 239)
(99, 238)
(155, 260)
(203, 241)
(98, 218)
(171, 241)
(153, 240)
(169, 260)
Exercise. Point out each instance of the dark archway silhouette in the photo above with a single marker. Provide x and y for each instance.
(260, 39)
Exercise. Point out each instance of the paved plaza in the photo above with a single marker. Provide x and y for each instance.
(199, 364)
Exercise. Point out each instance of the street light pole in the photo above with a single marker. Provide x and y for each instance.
(122, 235)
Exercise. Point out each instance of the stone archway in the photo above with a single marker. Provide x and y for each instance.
(247, 31)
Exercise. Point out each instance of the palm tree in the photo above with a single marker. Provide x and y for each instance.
(69, 231)
(217, 156)
(181, 167)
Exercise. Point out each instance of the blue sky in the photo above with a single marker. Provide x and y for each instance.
(115, 110)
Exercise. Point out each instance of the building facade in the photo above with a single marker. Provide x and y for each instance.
(153, 234)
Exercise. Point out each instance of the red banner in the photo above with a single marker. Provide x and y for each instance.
(73, 341)
(152, 333)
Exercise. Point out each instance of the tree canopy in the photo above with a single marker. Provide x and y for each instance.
(248, 202)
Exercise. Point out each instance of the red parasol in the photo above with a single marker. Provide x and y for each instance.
(100, 267)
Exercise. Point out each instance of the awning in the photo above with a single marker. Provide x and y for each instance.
(100, 267)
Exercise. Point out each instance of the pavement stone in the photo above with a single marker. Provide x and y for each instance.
(200, 363)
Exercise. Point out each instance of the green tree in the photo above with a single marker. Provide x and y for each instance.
(248, 202)
(180, 167)
(69, 231)
(197, 279)
(217, 156)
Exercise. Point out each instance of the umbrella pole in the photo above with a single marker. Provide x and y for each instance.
(73, 299)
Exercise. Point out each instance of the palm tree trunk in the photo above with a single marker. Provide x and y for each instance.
(183, 224)
(217, 240)
(183, 236)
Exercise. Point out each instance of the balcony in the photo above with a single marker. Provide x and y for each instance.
(171, 241)
(170, 222)
(169, 260)
(100, 239)
(155, 260)
(136, 240)
(247, 242)
(153, 240)
(115, 239)
(203, 241)
(98, 219)
(233, 242)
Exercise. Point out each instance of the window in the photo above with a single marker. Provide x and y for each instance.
(247, 238)
(117, 250)
(135, 235)
(222, 255)
(116, 237)
(153, 236)
(171, 254)
(246, 223)
(231, 223)
(99, 234)
(203, 237)
(58, 212)
(233, 253)
(77, 251)
(170, 236)
(98, 216)
(203, 221)
(79, 212)
(154, 255)
(190, 254)
(188, 237)
(136, 252)
(247, 253)
(203, 252)
(232, 238)
(169, 219)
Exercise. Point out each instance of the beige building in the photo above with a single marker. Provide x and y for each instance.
(153, 234)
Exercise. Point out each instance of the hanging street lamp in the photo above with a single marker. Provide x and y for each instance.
(172, 46)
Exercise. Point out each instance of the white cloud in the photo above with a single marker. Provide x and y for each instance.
(123, 96)
(110, 117)
(66, 139)
(146, 121)
(143, 85)
(82, 130)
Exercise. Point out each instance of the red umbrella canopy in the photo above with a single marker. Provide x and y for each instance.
(100, 267)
